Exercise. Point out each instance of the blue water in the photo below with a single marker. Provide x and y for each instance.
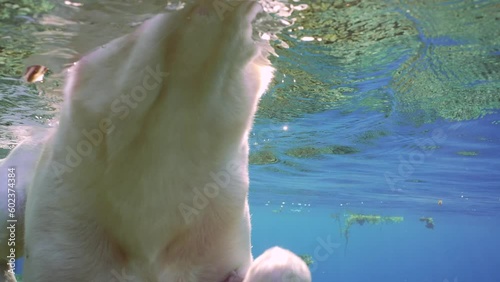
(464, 243)
(461, 247)
(410, 93)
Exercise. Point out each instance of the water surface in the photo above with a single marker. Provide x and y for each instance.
(377, 107)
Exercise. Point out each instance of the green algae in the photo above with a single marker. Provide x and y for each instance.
(362, 219)
(308, 259)
(263, 156)
(429, 222)
(467, 153)
(311, 152)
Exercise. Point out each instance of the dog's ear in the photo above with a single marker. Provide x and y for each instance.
(278, 265)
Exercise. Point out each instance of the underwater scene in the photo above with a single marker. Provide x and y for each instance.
(375, 153)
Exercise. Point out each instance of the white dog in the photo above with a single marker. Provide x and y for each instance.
(146, 177)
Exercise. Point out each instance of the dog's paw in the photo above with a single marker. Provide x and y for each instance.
(278, 265)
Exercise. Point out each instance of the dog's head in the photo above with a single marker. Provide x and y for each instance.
(196, 68)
